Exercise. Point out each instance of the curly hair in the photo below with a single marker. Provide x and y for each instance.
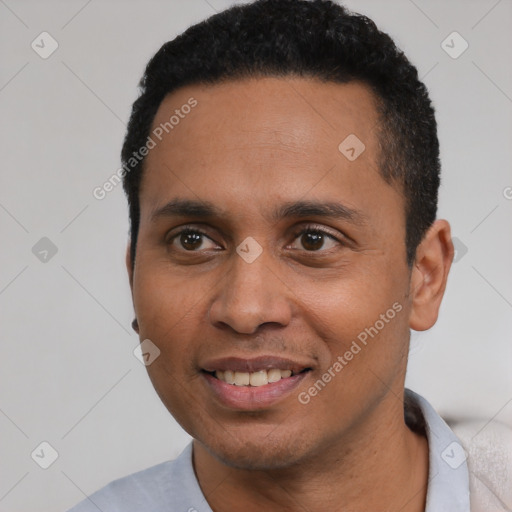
(308, 38)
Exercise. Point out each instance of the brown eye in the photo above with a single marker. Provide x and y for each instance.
(315, 239)
(312, 241)
(191, 240)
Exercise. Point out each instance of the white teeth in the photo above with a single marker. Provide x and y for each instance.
(242, 379)
(258, 378)
(255, 379)
(229, 377)
(274, 375)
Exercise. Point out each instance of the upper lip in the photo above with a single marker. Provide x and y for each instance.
(254, 364)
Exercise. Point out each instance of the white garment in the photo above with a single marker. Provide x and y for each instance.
(173, 487)
(489, 448)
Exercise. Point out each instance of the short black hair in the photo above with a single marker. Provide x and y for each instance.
(308, 38)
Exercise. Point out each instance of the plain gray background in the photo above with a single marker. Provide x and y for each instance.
(68, 375)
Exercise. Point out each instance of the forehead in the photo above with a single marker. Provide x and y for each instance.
(269, 139)
(290, 112)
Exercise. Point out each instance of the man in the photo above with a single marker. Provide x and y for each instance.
(282, 170)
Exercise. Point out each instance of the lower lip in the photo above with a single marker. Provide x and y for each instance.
(251, 398)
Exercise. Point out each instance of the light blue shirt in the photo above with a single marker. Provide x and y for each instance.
(173, 487)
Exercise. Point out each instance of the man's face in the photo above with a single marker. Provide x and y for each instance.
(252, 149)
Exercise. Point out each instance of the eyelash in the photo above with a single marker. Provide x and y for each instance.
(296, 234)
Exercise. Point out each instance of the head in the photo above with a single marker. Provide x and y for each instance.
(297, 145)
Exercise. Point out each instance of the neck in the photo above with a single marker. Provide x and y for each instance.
(370, 468)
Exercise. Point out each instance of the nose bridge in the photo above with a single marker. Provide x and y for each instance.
(250, 293)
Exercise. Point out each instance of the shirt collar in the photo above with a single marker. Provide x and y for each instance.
(448, 479)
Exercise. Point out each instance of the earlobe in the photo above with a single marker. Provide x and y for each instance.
(429, 275)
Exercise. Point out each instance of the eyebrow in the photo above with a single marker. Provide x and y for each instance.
(179, 207)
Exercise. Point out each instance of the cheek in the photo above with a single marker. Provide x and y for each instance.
(365, 342)
(163, 300)
(169, 312)
(167, 309)
(342, 309)
(364, 326)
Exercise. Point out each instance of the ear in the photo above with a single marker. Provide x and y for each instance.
(429, 275)
(128, 261)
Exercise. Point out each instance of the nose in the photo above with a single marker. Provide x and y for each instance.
(250, 295)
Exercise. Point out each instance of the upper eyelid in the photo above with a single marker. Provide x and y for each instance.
(296, 232)
(314, 227)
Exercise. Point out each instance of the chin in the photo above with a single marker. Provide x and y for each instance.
(254, 458)
(264, 453)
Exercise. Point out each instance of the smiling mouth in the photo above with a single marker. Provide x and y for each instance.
(254, 379)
